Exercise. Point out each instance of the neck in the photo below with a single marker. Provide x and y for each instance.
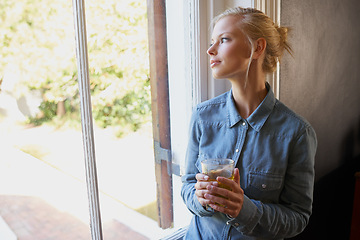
(248, 96)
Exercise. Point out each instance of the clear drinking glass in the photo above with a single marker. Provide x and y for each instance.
(218, 167)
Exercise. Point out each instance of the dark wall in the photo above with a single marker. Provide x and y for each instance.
(322, 83)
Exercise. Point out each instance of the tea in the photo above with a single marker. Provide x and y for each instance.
(218, 168)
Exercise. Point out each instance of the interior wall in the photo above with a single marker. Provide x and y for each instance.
(322, 83)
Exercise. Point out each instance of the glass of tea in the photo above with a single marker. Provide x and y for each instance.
(218, 167)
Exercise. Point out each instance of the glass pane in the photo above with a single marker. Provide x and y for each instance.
(42, 190)
(39, 197)
(42, 181)
(119, 72)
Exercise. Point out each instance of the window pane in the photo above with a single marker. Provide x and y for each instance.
(42, 165)
(42, 191)
(118, 65)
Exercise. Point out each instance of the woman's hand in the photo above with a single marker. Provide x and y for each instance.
(201, 188)
(229, 202)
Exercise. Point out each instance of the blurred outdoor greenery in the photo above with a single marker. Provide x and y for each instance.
(37, 52)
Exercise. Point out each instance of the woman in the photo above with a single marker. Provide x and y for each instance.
(273, 148)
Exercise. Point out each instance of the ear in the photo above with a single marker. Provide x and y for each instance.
(260, 46)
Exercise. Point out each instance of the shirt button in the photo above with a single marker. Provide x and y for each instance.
(243, 123)
(237, 150)
(263, 185)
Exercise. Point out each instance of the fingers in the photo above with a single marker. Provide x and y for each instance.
(228, 200)
(236, 176)
(202, 185)
(223, 205)
(229, 184)
(232, 212)
(202, 177)
(200, 196)
(234, 185)
(201, 192)
(200, 188)
(201, 182)
(225, 201)
(219, 191)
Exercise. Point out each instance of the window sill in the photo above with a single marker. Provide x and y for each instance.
(178, 235)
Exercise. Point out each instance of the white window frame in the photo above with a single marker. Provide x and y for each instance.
(86, 118)
(272, 9)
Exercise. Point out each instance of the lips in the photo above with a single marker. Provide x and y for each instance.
(213, 63)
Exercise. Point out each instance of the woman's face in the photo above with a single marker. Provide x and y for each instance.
(230, 50)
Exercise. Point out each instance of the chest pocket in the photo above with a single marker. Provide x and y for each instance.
(264, 186)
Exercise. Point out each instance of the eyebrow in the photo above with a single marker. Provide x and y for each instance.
(221, 35)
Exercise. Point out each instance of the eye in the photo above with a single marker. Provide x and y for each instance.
(224, 39)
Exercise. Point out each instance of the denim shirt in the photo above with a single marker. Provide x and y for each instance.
(274, 150)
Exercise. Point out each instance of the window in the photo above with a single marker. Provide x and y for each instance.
(184, 36)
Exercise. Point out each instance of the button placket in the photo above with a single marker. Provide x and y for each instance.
(240, 139)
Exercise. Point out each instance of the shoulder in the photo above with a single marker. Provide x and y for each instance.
(213, 103)
(213, 110)
(212, 106)
(287, 121)
(290, 114)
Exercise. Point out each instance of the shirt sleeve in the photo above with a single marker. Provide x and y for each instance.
(188, 179)
(291, 215)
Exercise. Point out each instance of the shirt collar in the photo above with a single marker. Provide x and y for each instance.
(257, 119)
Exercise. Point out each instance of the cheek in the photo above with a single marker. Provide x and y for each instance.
(243, 53)
(237, 58)
(237, 53)
(242, 50)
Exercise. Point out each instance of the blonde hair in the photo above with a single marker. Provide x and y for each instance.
(255, 24)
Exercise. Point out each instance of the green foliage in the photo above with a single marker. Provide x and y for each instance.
(132, 110)
(48, 112)
(37, 42)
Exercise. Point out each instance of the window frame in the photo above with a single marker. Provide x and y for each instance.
(272, 8)
(86, 118)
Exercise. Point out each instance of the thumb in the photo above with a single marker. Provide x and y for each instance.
(236, 176)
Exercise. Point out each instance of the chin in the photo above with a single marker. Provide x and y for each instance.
(216, 76)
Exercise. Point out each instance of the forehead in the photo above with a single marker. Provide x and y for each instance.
(228, 24)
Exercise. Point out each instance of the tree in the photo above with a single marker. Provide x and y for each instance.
(37, 36)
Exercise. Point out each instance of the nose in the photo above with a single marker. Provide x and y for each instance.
(212, 50)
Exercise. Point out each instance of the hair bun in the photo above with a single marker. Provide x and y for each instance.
(283, 32)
